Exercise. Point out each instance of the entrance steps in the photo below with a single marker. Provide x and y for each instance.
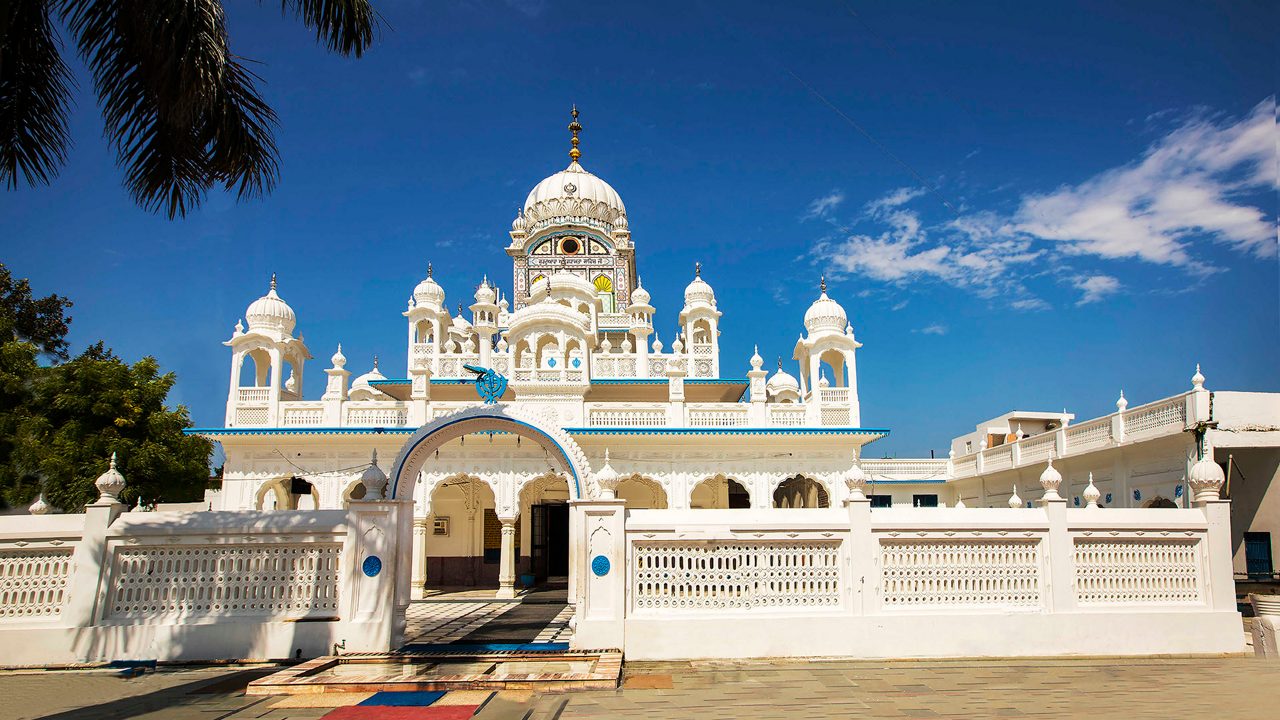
(544, 667)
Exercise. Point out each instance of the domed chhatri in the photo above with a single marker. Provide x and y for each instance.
(269, 312)
(698, 291)
(1050, 480)
(428, 293)
(825, 314)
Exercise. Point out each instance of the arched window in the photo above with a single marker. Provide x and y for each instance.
(719, 492)
(801, 492)
(604, 291)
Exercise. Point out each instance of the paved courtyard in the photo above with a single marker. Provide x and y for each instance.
(1085, 688)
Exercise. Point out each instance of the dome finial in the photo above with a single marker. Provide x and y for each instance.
(575, 127)
(375, 362)
(697, 269)
(273, 286)
(429, 269)
(822, 284)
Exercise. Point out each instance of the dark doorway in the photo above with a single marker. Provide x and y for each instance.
(549, 533)
(1257, 555)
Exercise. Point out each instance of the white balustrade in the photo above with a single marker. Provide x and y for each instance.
(278, 579)
(1036, 449)
(735, 575)
(254, 394)
(997, 458)
(721, 415)
(627, 417)
(33, 583)
(1089, 435)
(935, 573)
(376, 415)
(834, 394)
(1166, 415)
(787, 415)
(1135, 570)
(302, 415)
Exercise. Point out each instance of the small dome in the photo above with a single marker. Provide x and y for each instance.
(373, 479)
(606, 477)
(825, 314)
(640, 296)
(269, 312)
(429, 293)
(519, 224)
(756, 361)
(363, 380)
(781, 381)
(339, 360)
(460, 323)
(699, 290)
(1206, 479)
(485, 294)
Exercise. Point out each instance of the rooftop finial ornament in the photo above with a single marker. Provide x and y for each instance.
(822, 284)
(575, 127)
(697, 269)
(429, 269)
(273, 289)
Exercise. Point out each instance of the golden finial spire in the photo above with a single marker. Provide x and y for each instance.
(575, 127)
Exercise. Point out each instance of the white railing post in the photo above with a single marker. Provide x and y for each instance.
(602, 600)
(1059, 555)
(1219, 576)
(375, 577)
(863, 555)
(90, 569)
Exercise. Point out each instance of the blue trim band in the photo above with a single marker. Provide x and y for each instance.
(717, 381)
(391, 381)
(630, 381)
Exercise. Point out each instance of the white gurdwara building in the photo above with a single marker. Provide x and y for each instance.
(573, 353)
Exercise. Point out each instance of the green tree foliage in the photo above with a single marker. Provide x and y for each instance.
(182, 110)
(60, 422)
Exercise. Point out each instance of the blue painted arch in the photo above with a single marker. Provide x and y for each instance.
(422, 444)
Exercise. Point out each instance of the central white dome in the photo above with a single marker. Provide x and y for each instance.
(574, 193)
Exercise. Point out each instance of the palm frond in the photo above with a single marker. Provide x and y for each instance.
(343, 26)
(181, 112)
(34, 95)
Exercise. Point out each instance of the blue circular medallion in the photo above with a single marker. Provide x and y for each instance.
(600, 565)
(372, 565)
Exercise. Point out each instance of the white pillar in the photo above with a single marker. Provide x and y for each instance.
(507, 560)
(419, 557)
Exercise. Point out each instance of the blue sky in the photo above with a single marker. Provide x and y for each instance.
(1020, 205)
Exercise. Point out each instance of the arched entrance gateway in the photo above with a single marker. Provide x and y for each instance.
(508, 488)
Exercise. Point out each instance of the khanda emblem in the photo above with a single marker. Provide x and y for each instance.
(489, 384)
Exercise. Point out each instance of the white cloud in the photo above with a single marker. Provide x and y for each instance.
(823, 206)
(934, 329)
(1095, 288)
(1190, 186)
(1186, 184)
(897, 198)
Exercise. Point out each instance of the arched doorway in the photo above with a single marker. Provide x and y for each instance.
(422, 446)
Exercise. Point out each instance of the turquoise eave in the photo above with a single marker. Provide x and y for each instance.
(877, 432)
